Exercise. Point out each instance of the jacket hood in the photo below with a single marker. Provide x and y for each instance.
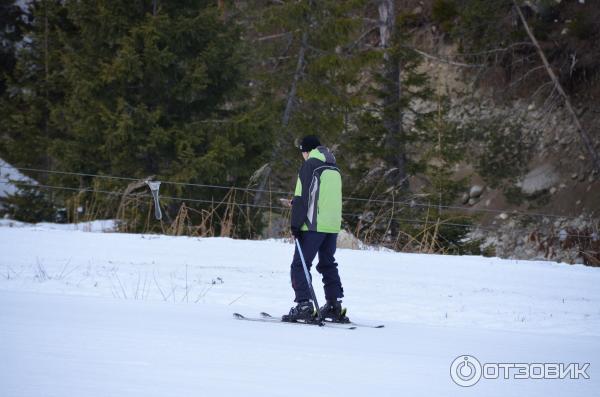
(322, 153)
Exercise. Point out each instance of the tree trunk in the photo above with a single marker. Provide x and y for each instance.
(287, 114)
(285, 120)
(46, 86)
(395, 154)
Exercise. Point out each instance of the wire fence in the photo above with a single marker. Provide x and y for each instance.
(410, 203)
(360, 216)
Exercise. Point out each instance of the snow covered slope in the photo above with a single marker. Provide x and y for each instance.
(105, 314)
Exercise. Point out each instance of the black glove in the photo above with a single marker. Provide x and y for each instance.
(295, 232)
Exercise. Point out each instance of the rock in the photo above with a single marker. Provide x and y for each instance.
(562, 235)
(475, 191)
(539, 179)
(503, 216)
(574, 176)
(367, 216)
(464, 199)
(473, 201)
(346, 239)
(553, 190)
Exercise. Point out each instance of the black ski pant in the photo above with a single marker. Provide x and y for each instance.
(324, 244)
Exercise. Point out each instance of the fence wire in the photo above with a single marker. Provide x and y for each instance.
(410, 203)
(359, 216)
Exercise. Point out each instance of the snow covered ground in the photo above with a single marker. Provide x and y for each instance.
(106, 314)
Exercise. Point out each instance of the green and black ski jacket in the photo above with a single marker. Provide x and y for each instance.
(317, 204)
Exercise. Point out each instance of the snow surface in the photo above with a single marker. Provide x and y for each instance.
(101, 225)
(107, 314)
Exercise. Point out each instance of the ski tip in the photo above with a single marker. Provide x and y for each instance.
(238, 316)
(379, 326)
(264, 314)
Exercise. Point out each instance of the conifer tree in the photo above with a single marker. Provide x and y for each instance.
(132, 88)
(304, 68)
(12, 23)
(34, 88)
(392, 128)
(146, 80)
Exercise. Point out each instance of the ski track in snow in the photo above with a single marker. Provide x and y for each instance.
(108, 314)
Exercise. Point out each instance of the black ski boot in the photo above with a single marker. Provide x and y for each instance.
(304, 311)
(333, 311)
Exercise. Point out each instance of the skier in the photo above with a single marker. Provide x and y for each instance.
(315, 223)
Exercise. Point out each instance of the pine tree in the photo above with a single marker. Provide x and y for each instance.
(391, 129)
(34, 88)
(305, 67)
(12, 23)
(136, 89)
(144, 82)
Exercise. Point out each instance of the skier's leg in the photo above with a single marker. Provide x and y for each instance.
(310, 243)
(328, 268)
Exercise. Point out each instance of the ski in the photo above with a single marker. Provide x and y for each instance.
(362, 325)
(351, 323)
(270, 319)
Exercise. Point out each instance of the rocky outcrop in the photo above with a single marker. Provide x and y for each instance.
(538, 180)
(570, 240)
(346, 239)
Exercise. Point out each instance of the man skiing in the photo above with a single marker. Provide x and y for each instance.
(315, 223)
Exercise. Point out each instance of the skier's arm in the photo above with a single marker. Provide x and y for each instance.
(300, 201)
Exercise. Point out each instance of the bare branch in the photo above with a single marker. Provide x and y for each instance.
(494, 50)
(526, 75)
(351, 46)
(587, 141)
(541, 88)
(442, 60)
(274, 36)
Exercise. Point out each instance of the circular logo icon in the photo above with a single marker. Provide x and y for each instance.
(465, 370)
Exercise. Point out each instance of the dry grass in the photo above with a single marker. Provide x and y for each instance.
(234, 216)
